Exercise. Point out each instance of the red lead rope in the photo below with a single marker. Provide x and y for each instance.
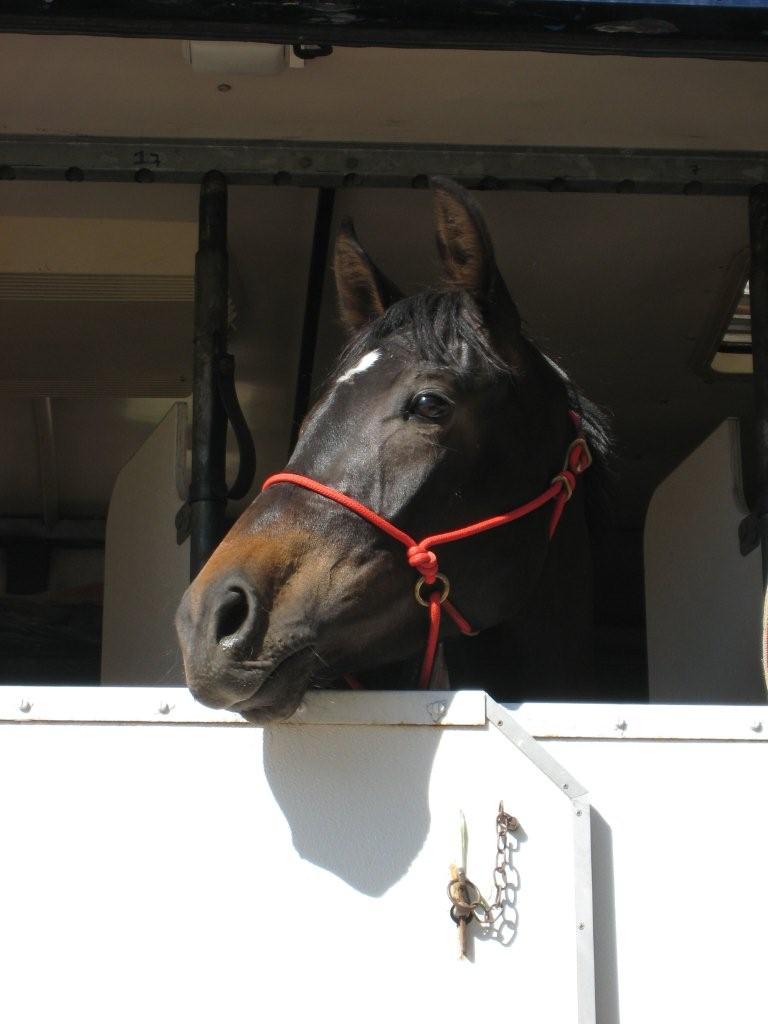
(420, 554)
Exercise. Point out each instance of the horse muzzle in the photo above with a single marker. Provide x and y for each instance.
(220, 630)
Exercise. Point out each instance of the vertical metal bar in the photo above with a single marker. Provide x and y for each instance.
(208, 488)
(758, 299)
(317, 268)
(46, 457)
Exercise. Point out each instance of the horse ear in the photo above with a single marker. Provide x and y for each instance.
(463, 242)
(469, 263)
(364, 292)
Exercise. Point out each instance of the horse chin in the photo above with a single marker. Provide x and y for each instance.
(282, 691)
(274, 713)
(272, 693)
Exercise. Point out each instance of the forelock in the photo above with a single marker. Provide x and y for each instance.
(442, 328)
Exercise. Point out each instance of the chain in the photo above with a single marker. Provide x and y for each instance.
(466, 899)
(505, 824)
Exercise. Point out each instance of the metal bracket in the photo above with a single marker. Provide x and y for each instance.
(309, 51)
(749, 534)
(183, 523)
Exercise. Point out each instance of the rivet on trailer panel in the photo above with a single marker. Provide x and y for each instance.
(437, 710)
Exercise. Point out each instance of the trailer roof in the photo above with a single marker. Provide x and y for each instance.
(721, 28)
(146, 88)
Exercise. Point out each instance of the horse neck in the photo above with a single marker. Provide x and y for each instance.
(545, 651)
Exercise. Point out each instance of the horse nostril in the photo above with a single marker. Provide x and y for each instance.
(232, 616)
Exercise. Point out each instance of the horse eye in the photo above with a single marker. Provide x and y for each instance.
(430, 406)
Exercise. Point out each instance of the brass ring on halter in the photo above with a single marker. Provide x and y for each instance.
(579, 442)
(565, 482)
(445, 583)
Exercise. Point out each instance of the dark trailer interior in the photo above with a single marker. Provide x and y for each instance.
(619, 150)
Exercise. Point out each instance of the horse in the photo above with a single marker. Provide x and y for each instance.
(441, 415)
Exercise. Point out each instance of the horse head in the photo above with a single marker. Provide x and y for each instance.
(439, 414)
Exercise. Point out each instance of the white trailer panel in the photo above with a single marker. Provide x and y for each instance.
(155, 868)
(211, 870)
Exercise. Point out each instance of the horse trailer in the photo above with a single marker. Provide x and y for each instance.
(273, 743)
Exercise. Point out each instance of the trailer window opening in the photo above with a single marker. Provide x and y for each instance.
(734, 355)
(623, 240)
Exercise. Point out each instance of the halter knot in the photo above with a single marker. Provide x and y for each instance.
(566, 479)
(423, 561)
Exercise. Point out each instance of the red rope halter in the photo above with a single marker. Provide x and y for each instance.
(420, 554)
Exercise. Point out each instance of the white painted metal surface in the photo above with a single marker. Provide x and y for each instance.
(187, 871)
(661, 722)
(186, 865)
(680, 833)
(679, 840)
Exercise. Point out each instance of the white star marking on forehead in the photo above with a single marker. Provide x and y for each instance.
(365, 363)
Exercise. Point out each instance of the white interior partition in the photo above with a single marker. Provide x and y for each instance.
(145, 570)
(703, 598)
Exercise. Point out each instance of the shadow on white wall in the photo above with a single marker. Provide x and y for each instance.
(356, 807)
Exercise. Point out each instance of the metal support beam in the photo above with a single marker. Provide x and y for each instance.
(342, 164)
(758, 299)
(315, 280)
(208, 488)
